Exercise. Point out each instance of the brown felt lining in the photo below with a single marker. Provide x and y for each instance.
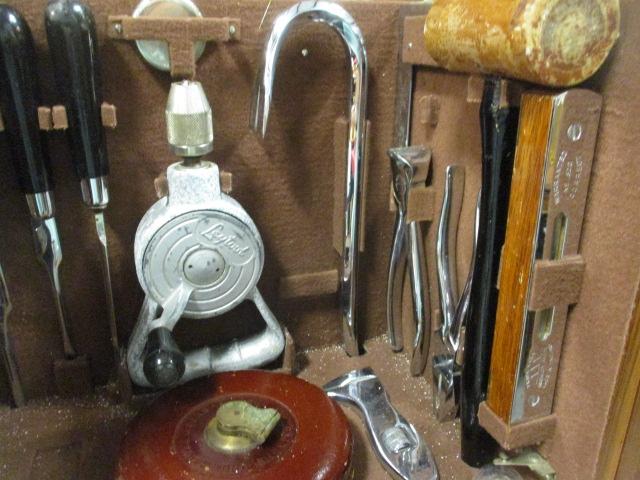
(309, 284)
(429, 110)
(519, 435)
(45, 119)
(179, 33)
(72, 376)
(108, 113)
(59, 118)
(413, 50)
(556, 282)
(286, 184)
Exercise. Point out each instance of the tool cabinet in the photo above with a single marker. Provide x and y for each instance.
(288, 184)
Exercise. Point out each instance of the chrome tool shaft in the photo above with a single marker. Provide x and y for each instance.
(49, 252)
(106, 276)
(409, 167)
(408, 241)
(7, 348)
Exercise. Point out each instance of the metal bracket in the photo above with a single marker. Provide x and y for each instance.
(530, 459)
(180, 33)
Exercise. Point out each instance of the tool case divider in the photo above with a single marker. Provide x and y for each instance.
(519, 435)
(181, 34)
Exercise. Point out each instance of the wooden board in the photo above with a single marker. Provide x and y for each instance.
(518, 252)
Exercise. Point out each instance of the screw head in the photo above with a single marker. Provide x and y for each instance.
(574, 132)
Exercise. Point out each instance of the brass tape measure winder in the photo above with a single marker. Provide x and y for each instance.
(198, 254)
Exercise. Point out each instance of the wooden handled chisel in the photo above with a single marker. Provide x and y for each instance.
(19, 101)
(73, 43)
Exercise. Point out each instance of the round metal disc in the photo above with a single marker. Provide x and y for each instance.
(156, 52)
(213, 252)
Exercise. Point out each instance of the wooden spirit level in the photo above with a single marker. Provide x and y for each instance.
(552, 166)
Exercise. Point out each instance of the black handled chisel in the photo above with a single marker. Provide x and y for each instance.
(73, 42)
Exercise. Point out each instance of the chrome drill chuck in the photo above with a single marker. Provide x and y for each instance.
(189, 120)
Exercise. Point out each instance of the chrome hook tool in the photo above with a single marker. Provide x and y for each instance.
(338, 19)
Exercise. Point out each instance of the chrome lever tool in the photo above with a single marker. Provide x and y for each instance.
(446, 246)
(457, 329)
(399, 447)
(72, 38)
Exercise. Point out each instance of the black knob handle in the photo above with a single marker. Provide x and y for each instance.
(71, 34)
(19, 101)
(164, 361)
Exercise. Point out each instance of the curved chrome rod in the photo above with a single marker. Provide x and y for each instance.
(336, 17)
(446, 244)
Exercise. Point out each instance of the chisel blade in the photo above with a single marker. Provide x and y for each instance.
(122, 380)
(7, 350)
(106, 277)
(49, 253)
